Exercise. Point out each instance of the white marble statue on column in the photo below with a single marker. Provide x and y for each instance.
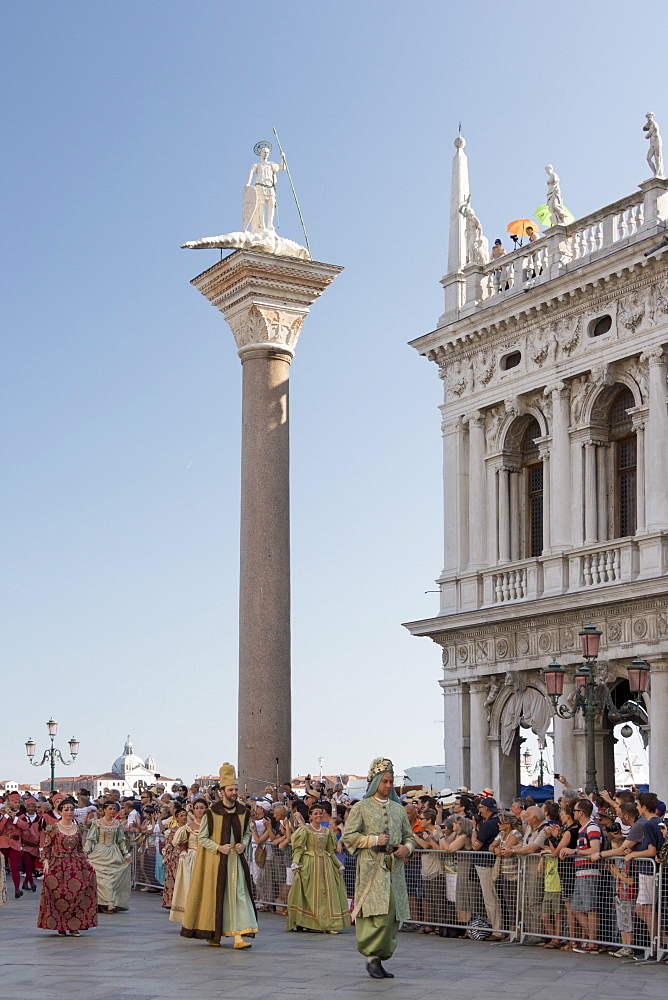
(555, 203)
(477, 246)
(259, 206)
(655, 151)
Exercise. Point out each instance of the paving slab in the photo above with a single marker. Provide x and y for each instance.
(139, 955)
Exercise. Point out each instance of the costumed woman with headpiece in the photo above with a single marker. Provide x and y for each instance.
(379, 834)
(317, 899)
(186, 836)
(220, 899)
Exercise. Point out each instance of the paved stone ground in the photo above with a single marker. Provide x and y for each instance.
(139, 955)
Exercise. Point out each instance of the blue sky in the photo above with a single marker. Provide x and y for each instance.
(128, 130)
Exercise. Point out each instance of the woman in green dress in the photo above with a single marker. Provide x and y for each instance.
(317, 900)
(109, 856)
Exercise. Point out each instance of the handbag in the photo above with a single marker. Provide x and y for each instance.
(260, 855)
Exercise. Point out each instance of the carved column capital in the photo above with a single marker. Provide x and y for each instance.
(654, 356)
(274, 328)
(558, 389)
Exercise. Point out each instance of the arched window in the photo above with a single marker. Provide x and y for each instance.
(532, 466)
(623, 440)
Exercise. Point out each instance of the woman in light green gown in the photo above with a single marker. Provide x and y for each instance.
(109, 856)
(317, 900)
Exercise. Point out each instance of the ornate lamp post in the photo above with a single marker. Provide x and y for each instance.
(538, 768)
(52, 754)
(592, 696)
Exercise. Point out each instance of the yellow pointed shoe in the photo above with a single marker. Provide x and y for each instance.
(214, 944)
(240, 943)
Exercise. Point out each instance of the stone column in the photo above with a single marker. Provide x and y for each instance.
(264, 298)
(481, 762)
(455, 495)
(457, 730)
(658, 713)
(565, 759)
(559, 484)
(639, 428)
(515, 516)
(656, 439)
(602, 491)
(590, 497)
(477, 505)
(577, 491)
(504, 515)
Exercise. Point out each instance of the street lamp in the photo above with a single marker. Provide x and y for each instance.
(592, 696)
(52, 754)
(538, 768)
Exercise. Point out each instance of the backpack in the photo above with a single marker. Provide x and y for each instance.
(478, 928)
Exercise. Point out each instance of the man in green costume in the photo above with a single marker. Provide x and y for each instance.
(379, 835)
(220, 897)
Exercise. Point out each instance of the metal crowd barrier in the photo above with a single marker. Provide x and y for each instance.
(532, 898)
(146, 863)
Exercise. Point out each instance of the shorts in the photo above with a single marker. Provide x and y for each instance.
(624, 911)
(551, 905)
(585, 893)
(645, 890)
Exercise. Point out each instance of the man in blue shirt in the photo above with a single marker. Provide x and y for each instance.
(652, 842)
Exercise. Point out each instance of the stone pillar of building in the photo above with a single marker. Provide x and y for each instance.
(504, 515)
(658, 713)
(264, 298)
(590, 494)
(560, 468)
(455, 492)
(565, 756)
(481, 762)
(577, 489)
(656, 441)
(457, 734)
(477, 497)
(639, 421)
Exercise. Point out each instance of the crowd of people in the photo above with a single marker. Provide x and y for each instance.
(576, 874)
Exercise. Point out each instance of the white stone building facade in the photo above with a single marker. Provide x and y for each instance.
(555, 457)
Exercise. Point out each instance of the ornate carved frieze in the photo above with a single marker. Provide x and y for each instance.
(636, 298)
(496, 646)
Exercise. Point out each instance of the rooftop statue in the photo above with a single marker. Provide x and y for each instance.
(654, 153)
(257, 214)
(558, 213)
(477, 247)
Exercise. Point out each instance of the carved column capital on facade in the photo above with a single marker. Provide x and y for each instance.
(450, 687)
(475, 419)
(560, 390)
(655, 356)
(451, 425)
(659, 666)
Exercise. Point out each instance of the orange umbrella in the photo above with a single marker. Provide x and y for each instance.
(519, 227)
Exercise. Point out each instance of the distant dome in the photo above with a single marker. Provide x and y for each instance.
(128, 761)
(150, 764)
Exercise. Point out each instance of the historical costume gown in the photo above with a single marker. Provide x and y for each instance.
(380, 885)
(220, 901)
(317, 897)
(69, 891)
(108, 853)
(183, 836)
(170, 857)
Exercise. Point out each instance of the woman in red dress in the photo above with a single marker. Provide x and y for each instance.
(69, 892)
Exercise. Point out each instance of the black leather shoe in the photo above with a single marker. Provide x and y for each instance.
(386, 974)
(18, 894)
(375, 969)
